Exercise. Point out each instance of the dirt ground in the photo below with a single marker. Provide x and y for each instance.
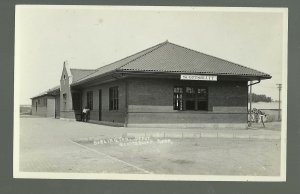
(49, 145)
(205, 156)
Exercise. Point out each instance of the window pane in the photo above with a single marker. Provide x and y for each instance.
(177, 90)
(190, 104)
(189, 90)
(190, 98)
(177, 98)
(202, 92)
(113, 98)
(202, 105)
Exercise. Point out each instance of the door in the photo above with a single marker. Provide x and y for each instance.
(76, 100)
(51, 107)
(100, 105)
(57, 106)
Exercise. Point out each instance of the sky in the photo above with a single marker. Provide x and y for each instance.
(89, 37)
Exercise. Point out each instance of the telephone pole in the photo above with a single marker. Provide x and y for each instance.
(279, 86)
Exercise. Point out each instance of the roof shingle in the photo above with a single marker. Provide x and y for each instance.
(116, 65)
(172, 58)
(48, 92)
(80, 73)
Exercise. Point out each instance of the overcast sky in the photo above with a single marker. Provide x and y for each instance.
(90, 37)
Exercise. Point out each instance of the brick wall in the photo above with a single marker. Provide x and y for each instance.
(39, 106)
(51, 107)
(186, 117)
(151, 101)
(66, 104)
(43, 106)
(117, 116)
(154, 92)
(39, 111)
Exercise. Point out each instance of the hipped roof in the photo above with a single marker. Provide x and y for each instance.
(168, 57)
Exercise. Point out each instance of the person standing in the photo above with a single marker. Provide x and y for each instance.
(85, 112)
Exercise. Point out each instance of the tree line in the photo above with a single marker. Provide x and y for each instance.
(260, 98)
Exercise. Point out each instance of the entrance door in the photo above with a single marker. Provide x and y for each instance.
(57, 106)
(76, 99)
(100, 105)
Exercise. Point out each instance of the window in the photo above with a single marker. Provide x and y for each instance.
(90, 100)
(65, 96)
(39, 101)
(202, 101)
(113, 98)
(190, 98)
(178, 103)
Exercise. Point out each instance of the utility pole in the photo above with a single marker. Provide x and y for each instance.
(279, 86)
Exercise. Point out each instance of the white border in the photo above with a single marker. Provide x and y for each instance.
(111, 176)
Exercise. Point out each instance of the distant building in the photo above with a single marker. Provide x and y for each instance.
(25, 110)
(46, 104)
(164, 85)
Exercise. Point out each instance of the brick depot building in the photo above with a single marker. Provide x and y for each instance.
(164, 85)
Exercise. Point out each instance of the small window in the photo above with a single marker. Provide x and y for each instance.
(39, 101)
(114, 98)
(90, 100)
(65, 96)
(65, 79)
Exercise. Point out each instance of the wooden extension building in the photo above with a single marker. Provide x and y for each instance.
(164, 85)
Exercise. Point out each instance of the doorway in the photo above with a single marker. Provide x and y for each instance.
(100, 105)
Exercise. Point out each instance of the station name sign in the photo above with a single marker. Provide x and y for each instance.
(199, 77)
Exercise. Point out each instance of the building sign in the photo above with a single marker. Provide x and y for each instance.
(199, 77)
